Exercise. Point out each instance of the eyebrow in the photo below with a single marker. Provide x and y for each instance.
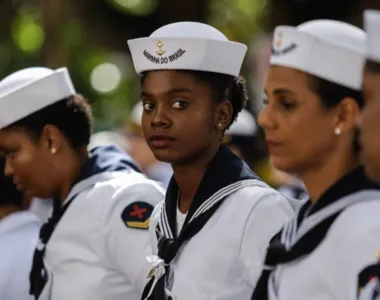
(283, 91)
(168, 92)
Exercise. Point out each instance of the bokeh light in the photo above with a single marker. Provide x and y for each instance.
(105, 78)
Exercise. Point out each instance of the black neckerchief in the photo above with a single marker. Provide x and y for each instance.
(225, 175)
(369, 282)
(102, 159)
(291, 243)
(38, 276)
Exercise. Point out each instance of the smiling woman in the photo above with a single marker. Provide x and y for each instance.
(216, 209)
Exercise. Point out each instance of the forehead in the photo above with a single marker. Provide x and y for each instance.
(371, 81)
(284, 77)
(13, 136)
(159, 82)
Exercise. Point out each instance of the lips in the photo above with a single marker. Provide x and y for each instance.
(160, 141)
(19, 185)
(272, 145)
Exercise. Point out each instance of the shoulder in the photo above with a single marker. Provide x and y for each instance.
(355, 234)
(365, 216)
(256, 198)
(130, 196)
(126, 186)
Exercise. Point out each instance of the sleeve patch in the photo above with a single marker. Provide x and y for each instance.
(367, 274)
(137, 215)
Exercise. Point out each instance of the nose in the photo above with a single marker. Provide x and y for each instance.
(265, 119)
(160, 118)
(8, 170)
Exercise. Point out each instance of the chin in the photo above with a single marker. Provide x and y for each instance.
(283, 164)
(372, 172)
(164, 155)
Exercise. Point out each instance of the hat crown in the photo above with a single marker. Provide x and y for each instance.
(136, 113)
(372, 27)
(22, 78)
(336, 33)
(245, 124)
(189, 30)
(328, 49)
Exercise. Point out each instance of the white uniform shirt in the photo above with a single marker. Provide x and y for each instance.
(224, 260)
(92, 254)
(331, 270)
(18, 239)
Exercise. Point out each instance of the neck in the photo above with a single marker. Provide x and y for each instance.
(72, 169)
(189, 177)
(8, 209)
(320, 179)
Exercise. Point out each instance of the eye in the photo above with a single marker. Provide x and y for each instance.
(148, 106)
(286, 103)
(10, 154)
(180, 104)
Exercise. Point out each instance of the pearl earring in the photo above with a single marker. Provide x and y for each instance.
(220, 125)
(53, 151)
(337, 131)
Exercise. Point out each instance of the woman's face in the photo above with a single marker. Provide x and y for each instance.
(299, 131)
(180, 118)
(370, 125)
(27, 162)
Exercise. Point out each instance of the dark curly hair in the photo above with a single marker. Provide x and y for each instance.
(72, 116)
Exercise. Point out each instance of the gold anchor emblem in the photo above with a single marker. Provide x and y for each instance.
(279, 39)
(159, 49)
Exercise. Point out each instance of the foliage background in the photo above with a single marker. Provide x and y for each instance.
(89, 37)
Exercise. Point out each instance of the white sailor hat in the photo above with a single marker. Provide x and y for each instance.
(372, 27)
(29, 90)
(105, 138)
(136, 114)
(187, 46)
(331, 50)
(245, 125)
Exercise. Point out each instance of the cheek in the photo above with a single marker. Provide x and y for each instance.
(305, 139)
(195, 127)
(26, 163)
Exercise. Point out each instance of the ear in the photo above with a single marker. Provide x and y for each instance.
(224, 115)
(347, 115)
(51, 138)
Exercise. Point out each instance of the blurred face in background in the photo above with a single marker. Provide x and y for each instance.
(299, 130)
(370, 124)
(139, 149)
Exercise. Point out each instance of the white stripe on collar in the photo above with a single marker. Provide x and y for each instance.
(209, 203)
(313, 220)
(224, 192)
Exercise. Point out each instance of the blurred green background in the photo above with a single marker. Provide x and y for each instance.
(89, 37)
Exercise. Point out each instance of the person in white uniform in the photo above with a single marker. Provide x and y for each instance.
(369, 277)
(95, 243)
(19, 230)
(211, 232)
(239, 138)
(314, 98)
